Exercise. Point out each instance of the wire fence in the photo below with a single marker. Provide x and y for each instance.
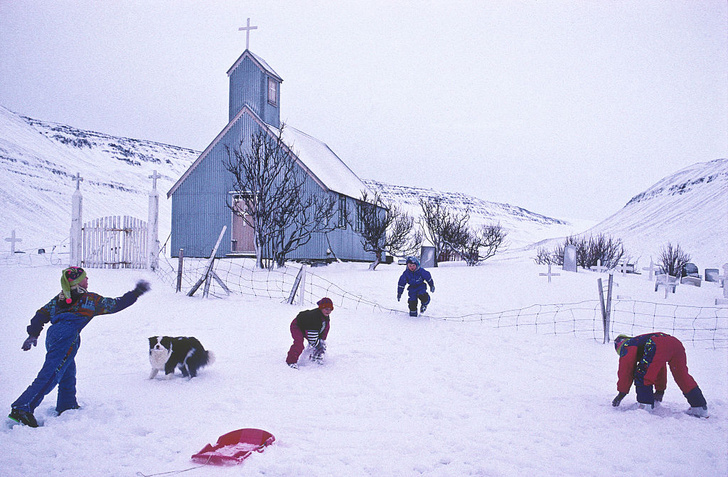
(703, 326)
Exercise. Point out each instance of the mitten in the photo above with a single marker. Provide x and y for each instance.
(658, 395)
(29, 342)
(141, 287)
(399, 296)
(432, 289)
(618, 399)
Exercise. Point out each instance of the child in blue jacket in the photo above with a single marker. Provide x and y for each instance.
(417, 278)
(68, 312)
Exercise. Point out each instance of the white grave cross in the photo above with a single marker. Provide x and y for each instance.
(247, 33)
(651, 269)
(12, 239)
(724, 280)
(598, 267)
(78, 180)
(154, 178)
(549, 274)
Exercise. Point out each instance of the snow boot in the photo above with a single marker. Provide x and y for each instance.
(23, 417)
(696, 411)
(424, 306)
(645, 407)
(293, 365)
(413, 312)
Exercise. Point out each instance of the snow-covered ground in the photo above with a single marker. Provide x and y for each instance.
(397, 396)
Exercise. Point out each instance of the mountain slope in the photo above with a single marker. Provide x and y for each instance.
(523, 227)
(689, 208)
(38, 160)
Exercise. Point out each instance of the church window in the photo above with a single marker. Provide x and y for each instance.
(272, 92)
(342, 211)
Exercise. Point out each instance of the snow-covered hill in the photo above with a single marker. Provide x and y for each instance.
(689, 208)
(38, 160)
(524, 227)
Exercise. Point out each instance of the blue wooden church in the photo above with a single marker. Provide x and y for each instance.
(199, 197)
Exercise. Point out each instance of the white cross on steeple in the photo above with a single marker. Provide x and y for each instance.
(247, 33)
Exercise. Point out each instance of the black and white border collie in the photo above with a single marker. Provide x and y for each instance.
(183, 352)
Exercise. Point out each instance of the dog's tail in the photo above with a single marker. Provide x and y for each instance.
(210, 357)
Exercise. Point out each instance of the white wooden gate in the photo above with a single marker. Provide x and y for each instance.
(115, 242)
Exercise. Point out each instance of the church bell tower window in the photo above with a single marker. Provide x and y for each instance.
(272, 92)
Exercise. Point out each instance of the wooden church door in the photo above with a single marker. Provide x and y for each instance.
(243, 234)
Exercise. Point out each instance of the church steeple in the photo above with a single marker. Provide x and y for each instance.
(253, 83)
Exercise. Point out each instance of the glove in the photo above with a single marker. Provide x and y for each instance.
(399, 296)
(432, 289)
(141, 287)
(618, 399)
(29, 342)
(658, 395)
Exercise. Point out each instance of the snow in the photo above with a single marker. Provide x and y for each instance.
(399, 396)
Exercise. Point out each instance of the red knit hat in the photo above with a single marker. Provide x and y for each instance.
(325, 303)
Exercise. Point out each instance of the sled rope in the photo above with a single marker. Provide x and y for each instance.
(172, 472)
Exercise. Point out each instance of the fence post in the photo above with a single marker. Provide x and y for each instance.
(210, 264)
(602, 308)
(610, 282)
(179, 270)
(296, 283)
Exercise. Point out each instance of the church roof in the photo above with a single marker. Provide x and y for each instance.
(325, 167)
(323, 162)
(256, 59)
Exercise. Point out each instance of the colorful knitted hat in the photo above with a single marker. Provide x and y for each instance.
(70, 278)
(619, 342)
(325, 303)
(413, 260)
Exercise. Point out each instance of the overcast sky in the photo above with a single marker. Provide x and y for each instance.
(566, 108)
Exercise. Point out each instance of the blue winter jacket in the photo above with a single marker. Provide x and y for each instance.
(83, 309)
(417, 281)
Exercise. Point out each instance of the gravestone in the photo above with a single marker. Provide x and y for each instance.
(427, 257)
(724, 280)
(712, 274)
(570, 258)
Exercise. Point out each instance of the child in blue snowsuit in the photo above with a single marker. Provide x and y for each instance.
(417, 278)
(69, 312)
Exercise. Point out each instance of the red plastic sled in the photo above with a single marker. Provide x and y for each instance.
(234, 447)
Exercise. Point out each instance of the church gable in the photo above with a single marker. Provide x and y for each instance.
(253, 83)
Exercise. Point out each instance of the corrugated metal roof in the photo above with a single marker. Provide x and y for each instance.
(257, 59)
(323, 162)
(315, 156)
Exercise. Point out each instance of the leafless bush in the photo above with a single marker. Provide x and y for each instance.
(672, 259)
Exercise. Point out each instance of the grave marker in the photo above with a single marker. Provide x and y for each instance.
(12, 239)
(570, 258)
(549, 274)
(651, 269)
(724, 281)
(598, 267)
(712, 275)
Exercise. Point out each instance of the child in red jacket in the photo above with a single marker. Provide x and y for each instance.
(644, 359)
